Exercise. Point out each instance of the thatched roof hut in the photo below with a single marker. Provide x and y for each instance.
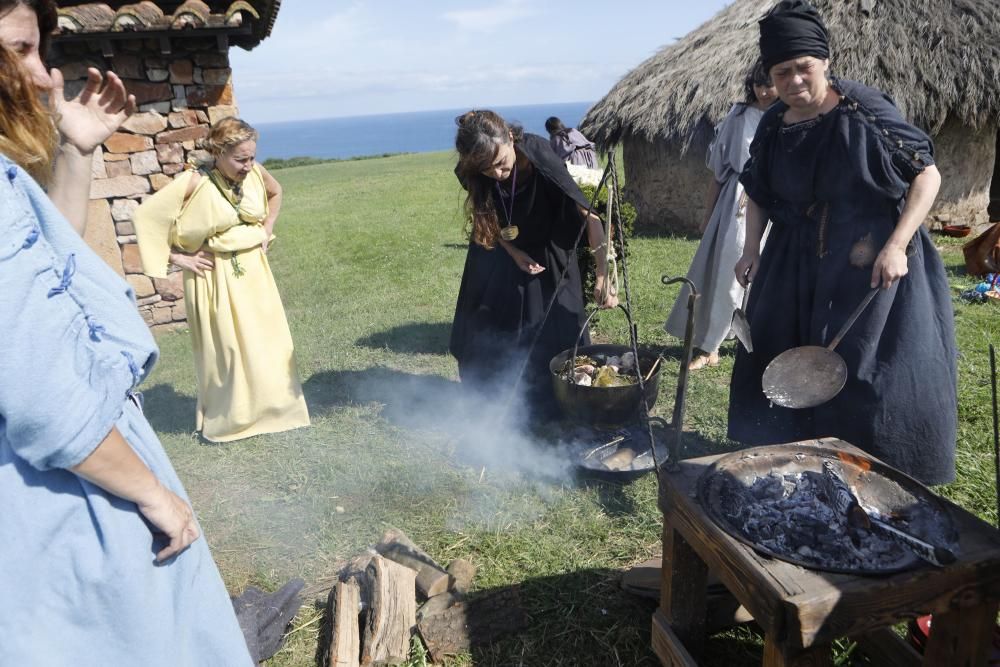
(939, 59)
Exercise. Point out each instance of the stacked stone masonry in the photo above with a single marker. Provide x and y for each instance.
(180, 95)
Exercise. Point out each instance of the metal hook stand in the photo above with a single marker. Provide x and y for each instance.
(682, 374)
(616, 220)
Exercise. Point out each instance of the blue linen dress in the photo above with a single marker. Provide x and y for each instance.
(77, 573)
(834, 187)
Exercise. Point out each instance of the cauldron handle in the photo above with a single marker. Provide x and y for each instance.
(579, 336)
(682, 375)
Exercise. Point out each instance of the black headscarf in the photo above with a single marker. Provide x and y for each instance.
(791, 30)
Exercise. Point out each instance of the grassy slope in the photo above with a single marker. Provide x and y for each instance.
(368, 260)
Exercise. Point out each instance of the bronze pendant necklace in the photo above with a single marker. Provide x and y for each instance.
(510, 231)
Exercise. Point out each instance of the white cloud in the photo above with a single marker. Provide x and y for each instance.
(492, 17)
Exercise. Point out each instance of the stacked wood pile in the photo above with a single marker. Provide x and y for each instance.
(372, 612)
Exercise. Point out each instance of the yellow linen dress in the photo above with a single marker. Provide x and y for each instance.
(243, 351)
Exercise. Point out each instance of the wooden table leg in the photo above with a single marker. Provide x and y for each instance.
(775, 656)
(682, 591)
(962, 638)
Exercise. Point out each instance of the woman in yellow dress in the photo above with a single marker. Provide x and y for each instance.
(216, 223)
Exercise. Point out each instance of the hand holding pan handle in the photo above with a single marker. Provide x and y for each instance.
(810, 375)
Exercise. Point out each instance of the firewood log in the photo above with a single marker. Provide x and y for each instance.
(343, 607)
(391, 613)
(431, 577)
(474, 622)
(462, 573)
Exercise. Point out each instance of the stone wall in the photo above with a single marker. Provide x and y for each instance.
(179, 95)
(965, 158)
(668, 189)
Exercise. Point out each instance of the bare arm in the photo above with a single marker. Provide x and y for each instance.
(595, 238)
(891, 265)
(711, 197)
(524, 261)
(116, 468)
(85, 122)
(274, 194)
(756, 220)
(202, 260)
(70, 186)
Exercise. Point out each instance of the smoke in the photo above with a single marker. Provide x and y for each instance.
(493, 426)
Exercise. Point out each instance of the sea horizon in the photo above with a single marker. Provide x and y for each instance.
(406, 132)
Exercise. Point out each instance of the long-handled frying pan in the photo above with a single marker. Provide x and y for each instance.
(810, 375)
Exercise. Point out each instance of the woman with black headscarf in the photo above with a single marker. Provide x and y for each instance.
(846, 183)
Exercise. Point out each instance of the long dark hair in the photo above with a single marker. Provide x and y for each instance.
(553, 125)
(47, 15)
(757, 76)
(480, 134)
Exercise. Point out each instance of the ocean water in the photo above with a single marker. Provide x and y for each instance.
(415, 132)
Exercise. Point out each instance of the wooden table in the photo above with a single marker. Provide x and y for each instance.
(802, 611)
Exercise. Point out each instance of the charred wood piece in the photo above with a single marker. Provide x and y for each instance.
(431, 580)
(478, 621)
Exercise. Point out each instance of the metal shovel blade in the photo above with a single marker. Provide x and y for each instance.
(741, 325)
(804, 377)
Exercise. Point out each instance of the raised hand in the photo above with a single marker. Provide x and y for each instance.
(88, 119)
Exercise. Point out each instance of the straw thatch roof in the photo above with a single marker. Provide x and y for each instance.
(935, 57)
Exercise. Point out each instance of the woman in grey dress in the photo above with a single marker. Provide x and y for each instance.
(570, 144)
(723, 227)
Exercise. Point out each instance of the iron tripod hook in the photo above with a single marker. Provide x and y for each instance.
(682, 375)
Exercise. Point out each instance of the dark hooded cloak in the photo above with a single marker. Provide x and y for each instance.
(500, 307)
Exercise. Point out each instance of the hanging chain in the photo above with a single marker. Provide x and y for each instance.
(614, 193)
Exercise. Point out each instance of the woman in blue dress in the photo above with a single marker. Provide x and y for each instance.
(102, 563)
(847, 184)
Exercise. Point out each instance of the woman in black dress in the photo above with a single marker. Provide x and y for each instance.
(525, 215)
(847, 184)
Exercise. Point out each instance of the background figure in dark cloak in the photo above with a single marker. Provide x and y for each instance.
(515, 181)
(723, 227)
(847, 184)
(570, 144)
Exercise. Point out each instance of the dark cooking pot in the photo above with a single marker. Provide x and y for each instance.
(603, 405)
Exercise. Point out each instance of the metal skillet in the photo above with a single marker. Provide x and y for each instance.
(810, 375)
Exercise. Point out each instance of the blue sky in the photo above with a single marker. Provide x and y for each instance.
(329, 58)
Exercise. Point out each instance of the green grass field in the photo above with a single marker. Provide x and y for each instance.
(368, 260)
